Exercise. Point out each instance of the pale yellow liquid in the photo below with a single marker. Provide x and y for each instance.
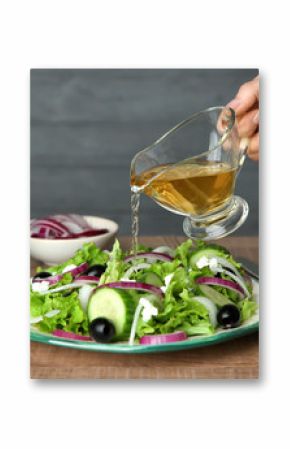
(188, 188)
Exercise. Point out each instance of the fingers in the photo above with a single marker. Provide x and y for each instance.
(247, 97)
(248, 123)
(246, 106)
(253, 150)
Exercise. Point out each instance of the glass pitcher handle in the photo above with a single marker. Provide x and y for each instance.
(244, 145)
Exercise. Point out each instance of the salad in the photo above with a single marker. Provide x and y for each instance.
(157, 295)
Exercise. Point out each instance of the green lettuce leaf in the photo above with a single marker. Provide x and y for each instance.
(179, 312)
(71, 316)
(115, 266)
(248, 308)
(89, 253)
(183, 252)
(162, 269)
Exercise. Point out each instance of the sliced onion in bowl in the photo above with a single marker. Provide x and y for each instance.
(207, 280)
(88, 233)
(157, 339)
(70, 226)
(50, 223)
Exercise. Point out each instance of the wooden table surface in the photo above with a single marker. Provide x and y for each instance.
(236, 359)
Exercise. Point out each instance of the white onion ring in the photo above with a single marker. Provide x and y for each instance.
(149, 255)
(136, 267)
(211, 308)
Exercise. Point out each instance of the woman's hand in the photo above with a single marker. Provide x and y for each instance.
(246, 106)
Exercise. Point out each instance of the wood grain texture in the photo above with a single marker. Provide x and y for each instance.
(236, 359)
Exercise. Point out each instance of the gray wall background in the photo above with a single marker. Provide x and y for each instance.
(86, 125)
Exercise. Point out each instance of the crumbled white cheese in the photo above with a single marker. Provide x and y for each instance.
(148, 309)
(167, 281)
(202, 262)
(213, 264)
(168, 278)
(40, 286)
(69, 268)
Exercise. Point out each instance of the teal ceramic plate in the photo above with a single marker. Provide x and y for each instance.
(252, 325)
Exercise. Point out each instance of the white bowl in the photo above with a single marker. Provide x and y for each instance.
(54, 252)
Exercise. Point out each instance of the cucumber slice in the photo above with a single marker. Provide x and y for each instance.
(216, 297)
(153, 279)
(117, 306)
(209, 251)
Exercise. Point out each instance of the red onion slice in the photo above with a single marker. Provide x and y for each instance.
(87, 279)
(71, 335)
(234, 273)
(51, 280)
(74, 272)
(50, 223)
(79, 269)
(163, 338)
(88, 233)
(151, 255)
(75, 223)
(221, 283)
(136, 286)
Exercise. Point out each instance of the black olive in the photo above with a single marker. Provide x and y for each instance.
(229, 316)
(42, 275)
(102, 330)
(95, 270)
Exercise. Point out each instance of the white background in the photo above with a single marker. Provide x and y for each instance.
(168, 34)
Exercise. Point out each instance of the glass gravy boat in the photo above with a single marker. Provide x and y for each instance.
(192, 170)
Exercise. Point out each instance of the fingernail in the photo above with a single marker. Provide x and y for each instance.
(244, 143)
(234, 104)
(256, 118)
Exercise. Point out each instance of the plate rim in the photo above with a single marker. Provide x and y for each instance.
(192, 342)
